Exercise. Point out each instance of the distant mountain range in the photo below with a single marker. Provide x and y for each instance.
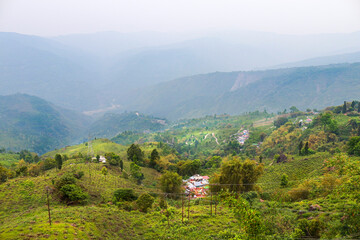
(87, 72)
(238, 92)
(334, 59)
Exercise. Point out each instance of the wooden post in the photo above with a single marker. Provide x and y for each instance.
(215, 203)
(182, 208)
(89, 172)
(48, 204)
(189, 207)
(211, 204)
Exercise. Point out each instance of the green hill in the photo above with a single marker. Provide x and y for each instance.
(28, 122)
(239, 92)
(112, 124)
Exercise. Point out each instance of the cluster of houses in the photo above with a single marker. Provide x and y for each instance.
(242, 136)
(197, 186)
(303, 123)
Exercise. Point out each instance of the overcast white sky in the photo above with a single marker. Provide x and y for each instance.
(57, 17)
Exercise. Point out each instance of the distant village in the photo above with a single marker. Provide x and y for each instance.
(242, 136)
(197, 186)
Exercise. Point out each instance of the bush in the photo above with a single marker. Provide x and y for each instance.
(299, 193)
(124, 194)
(64, 180)
(250, 196)
(127, 206)
(280, 121)
(284, 180)
(311, 228)
(163, 203)
(144, 202)
(73, 193)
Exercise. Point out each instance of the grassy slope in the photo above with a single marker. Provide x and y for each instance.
(7, 159)
(298, 168)
(24, 213)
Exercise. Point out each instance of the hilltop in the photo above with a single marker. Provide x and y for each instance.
(29, 122)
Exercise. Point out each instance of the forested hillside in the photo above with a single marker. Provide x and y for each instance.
(28, 122)
(238, 92)
(112, 124)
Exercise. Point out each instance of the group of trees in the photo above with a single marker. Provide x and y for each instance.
(113, 160)
(68, 189)
(304, 149)
(237, 175)
(127, 199)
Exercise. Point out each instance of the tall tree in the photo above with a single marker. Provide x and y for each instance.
(135, 154)
(300, 147)
(237, 175)
(154, 157)
(280, 121)
(306, 148)
(136, 173)
(59, 161)
(121, 165)
(353, 104)
(104, 171)
(170, 182)
(344, 107)
(325, 119)
(293, 109)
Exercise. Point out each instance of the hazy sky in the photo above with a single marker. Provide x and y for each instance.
(56, 17)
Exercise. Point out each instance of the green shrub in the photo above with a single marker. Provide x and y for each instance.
(144, 202)
(73, 193)
(65, 179)
(163, 203)
(250, 196)
(124, 194)
(311, 228)
(127, 206)
(299, 193)
(284, 180)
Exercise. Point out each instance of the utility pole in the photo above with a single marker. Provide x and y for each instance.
(211, 204)
(215, 203)
(182, 208)
(48, 203)
(189, 207)
(90, 154)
